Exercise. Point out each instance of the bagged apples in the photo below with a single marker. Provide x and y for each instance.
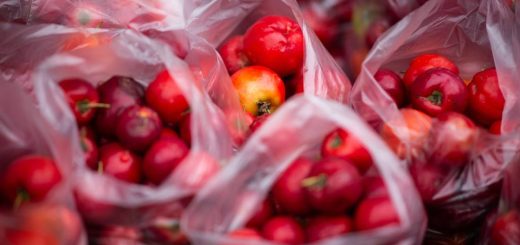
(243, 31)
(37, 205)
(149, 135)
(313, 172)
(439, 86)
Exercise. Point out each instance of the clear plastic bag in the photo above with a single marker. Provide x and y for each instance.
(98, 54)
(298, 128)
(475, 35)
(216, 21)
(25, 131)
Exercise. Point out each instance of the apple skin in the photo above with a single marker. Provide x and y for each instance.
(486, 101)
(375, 212)
(275, 42)
(232, 53)
(425, 62)
(83, 99)
(283, 229)
(287, 191)
(452, 139)
(417, 126)
(333, 186)
(165, 97)
(121, 163)
(323, 227)
(392, 84)
(506, 229)
(163, 157)
(326, 28)
(138, 127)
(260, 90)
(342, 144)
(439, 90)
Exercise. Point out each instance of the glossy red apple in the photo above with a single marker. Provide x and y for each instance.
(118, 92)
(452, 139)
(83, 99)
(344, 145)
(116, 161)
(284, 230)
(425, 62)
(138, 127)
(260, 90)
(506, 230)
(392, 84)
(166, 98)
(262, 214)
(374, 213)
(232, 53)
(333, 186)
(288, 192)
(486, 101)
(324, 227)
(29, 179)
(275, 42)
(163, 157)
(439, 90)
(496, 127)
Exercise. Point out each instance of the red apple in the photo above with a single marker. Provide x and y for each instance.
(288, 192)
(325, 27)
(428, 178)
(245, 234)
(138, 127)
(342, 144)
(275, 42)
(89, 147)
(283, 229)
(392, 84)
(166, 98)
(375, 30)
(452, 139)
(163, 157)
(119, 93)
(323, 227)
(374, 186)
(29, 179)
(333, 186)
(232, 53)
(496, 127)
(199, 170)
(438, 90)
(374, 213)
(260, 90)
(506, 230)
(83, 99)
(120, 163)
(258, 122)
(425, 62)
(185, 128)
(486, 101)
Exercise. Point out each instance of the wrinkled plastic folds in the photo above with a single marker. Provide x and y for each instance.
(23, 131)
(475, 35)
(298, 128)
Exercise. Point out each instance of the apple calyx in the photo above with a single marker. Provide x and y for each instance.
(435, 98)
(264, 107)
(336, 142)
(100, 168)
(85, 105)
(315, 182)
(22, 196)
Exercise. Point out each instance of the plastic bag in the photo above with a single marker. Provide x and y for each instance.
(298, 128)
(216, 21)
(127, 53)
(475, 35)
(24, 131)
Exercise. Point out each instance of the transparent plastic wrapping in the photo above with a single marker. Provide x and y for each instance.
(95, 56)
(298, 128)
(216, 21)
(25, 131)
(475, 35)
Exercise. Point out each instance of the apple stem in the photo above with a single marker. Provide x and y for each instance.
(21, 197)
(435, 97)
(84, 146)
(86, 105)
(264, 107)
(100, 167)
(315, 181)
